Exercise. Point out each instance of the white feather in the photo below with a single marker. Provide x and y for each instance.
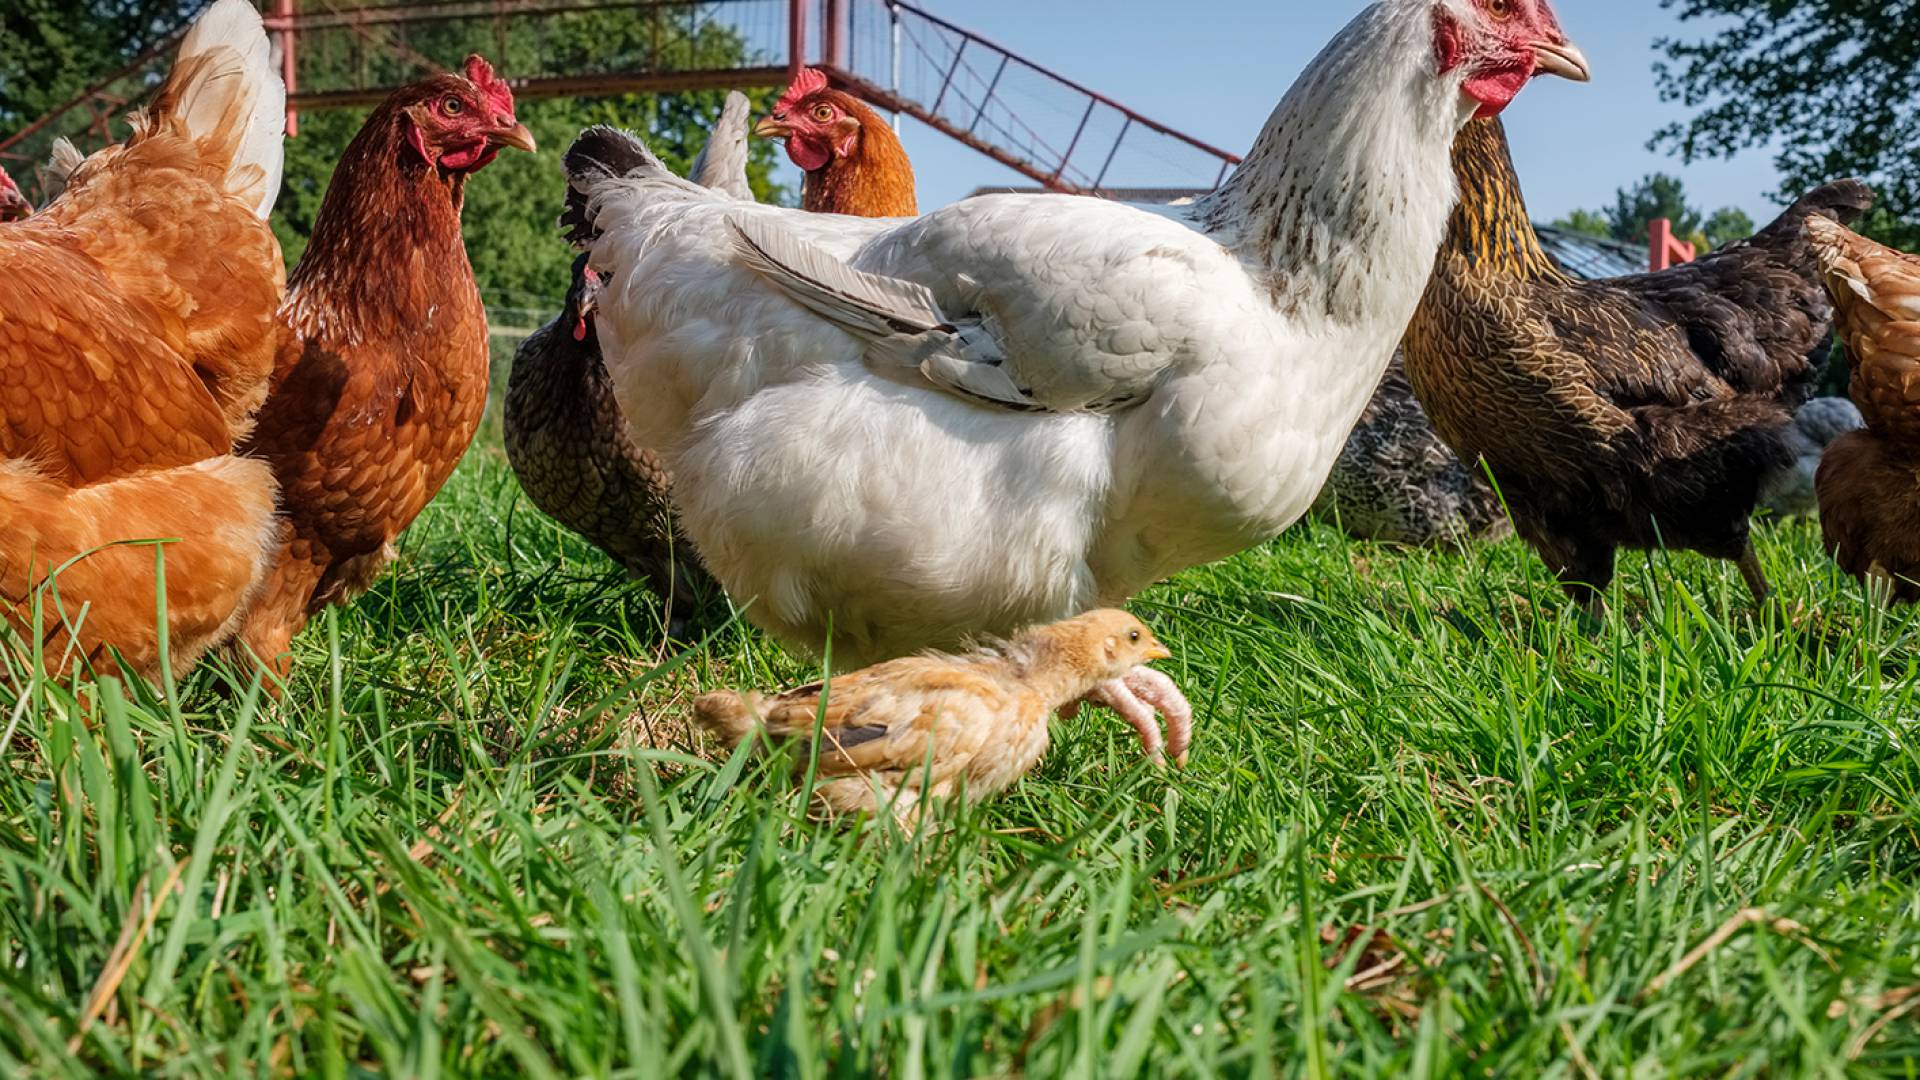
(722, 163)
(241, 83)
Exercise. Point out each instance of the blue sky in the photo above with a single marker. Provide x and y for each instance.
(1215, 69)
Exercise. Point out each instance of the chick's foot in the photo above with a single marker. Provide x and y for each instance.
(1137, 696)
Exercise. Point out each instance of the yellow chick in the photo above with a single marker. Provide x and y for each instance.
(919, 728)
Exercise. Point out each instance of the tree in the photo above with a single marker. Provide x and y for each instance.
(50, 50)
(1833, 84)
(1586, 223)
(1656, 196)
(1728, 225)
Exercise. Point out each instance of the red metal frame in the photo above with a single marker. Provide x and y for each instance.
(1664, 249)
(286, 22)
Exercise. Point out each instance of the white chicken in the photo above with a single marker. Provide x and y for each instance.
(903, 434)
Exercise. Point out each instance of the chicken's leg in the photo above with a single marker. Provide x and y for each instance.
(1753, 575)
(1136, 697)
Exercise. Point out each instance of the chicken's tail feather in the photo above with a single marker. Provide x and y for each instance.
(1843, 201)
(601, 153)
(225, 93)
(729, 717)
(722, 164)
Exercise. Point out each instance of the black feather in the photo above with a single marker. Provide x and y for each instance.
(600, 153)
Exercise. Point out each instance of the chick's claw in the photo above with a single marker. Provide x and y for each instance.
(1160, 693)
(1137, 696)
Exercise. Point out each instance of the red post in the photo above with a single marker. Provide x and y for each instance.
(289, 72)
(833, 42)
(796, 37)
(1663, 248)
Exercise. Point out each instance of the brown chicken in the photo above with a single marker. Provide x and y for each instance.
(853, 161)
(1642, 412)
(137, 331)
(911, 731)
(1869, 481)
(13, 203)
(382, 378)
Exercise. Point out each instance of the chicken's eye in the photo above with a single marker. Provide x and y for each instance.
(452, 106)
(1500, 10)
(1133, 636)
(823, 113)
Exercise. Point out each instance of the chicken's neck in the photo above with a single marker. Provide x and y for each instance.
(1489, 227)
(386, 258)
(1058, 663)
(877, 181)
(1343, 200)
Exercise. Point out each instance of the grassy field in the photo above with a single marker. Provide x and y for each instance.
(1431, 825)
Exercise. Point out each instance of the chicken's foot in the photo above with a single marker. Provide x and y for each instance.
(1138, 696)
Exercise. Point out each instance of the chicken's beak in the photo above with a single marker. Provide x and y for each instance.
(1157, 651)
(515, 135)
(772, 128)
(1562, 58)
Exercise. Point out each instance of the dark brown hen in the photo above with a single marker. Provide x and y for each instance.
(570, 450)
(1637, 412)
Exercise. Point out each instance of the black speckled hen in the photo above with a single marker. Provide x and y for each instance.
(570, 449)
(1638, 412)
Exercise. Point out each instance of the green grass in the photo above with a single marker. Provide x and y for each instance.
(1432, 825)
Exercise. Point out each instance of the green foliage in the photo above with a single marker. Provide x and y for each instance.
(50, 50)
(518, 257)
(1727, 225)
(1433, 826)
(1586, 223)
(1833, 85)
(1660, 196)
(1655, 196)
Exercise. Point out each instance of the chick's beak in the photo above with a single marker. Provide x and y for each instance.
(1157, 651)
(513, 134)
(1562, 58)
(772, 128)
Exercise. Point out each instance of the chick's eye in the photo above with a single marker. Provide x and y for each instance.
(452, 106)
(823, 112)
(1133, 636)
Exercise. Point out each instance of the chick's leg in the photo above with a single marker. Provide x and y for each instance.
(1159, 691)
(1136, 696)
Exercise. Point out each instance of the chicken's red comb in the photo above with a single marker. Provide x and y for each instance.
(7, 184)
(480, 73)
(810, 81)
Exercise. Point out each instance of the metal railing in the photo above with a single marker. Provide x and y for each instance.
(340, 53)
(1049, 128)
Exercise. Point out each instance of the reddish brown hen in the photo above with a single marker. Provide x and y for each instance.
(381, 382)
(137, 330)
(1869, 482)
(13, 204)
(854, 162)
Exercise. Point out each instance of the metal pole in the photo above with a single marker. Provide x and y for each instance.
(289, 71)
(796, 37)
(833, 44)
(893, 16)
